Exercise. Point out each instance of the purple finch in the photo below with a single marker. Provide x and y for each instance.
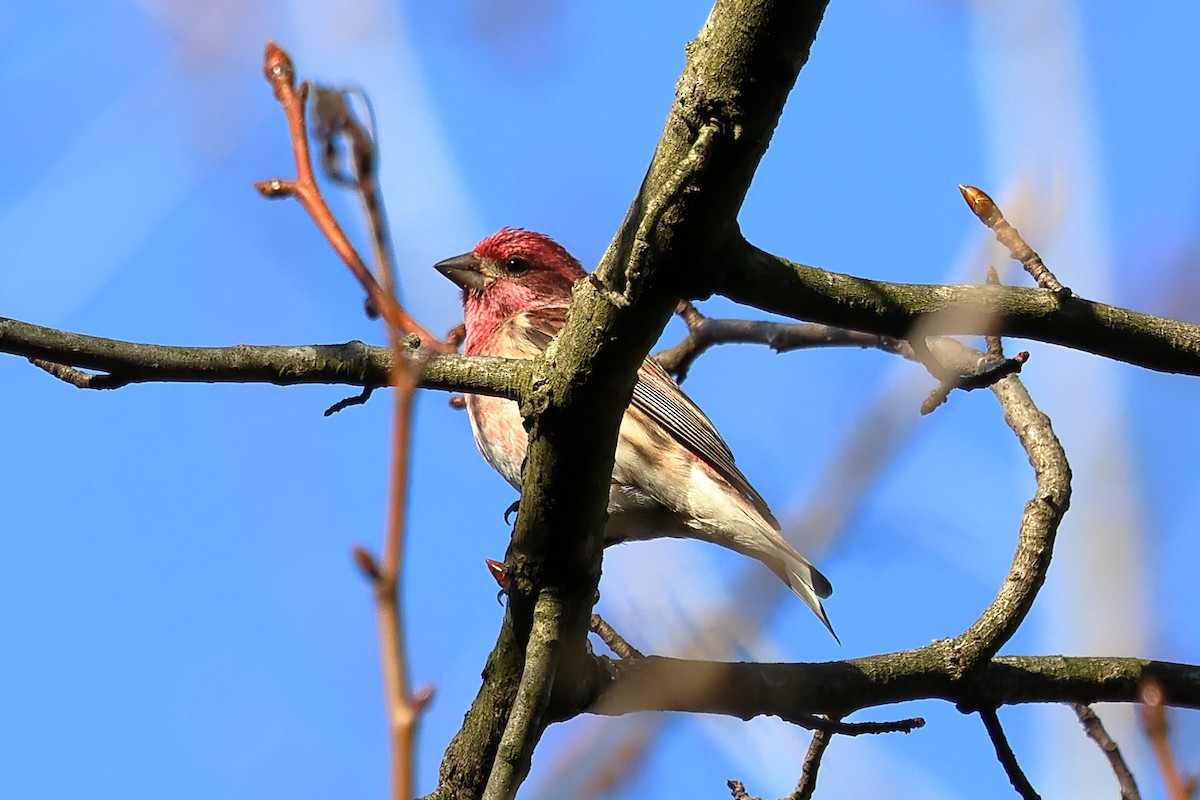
(674, 475)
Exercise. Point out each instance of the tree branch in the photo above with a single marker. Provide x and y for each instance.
(739, 72)
(838, 688)
(352, 363)
(1097, 733)
(812, 765)
(774, 284)
(1005, 755)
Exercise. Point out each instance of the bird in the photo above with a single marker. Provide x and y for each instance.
(673, 476)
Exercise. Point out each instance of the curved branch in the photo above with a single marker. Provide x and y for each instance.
(1039, 524)
(775, 284)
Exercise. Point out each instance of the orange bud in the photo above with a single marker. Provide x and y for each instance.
(981, 204)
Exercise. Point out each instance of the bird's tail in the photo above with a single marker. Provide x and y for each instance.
(806, 581)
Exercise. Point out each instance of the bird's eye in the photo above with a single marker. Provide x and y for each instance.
(516, 265)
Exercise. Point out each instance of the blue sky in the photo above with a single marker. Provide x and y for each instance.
(181, 614)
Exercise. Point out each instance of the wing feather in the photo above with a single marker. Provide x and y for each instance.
(659, 396)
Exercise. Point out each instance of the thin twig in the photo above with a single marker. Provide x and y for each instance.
(615, 641)
(356, 400)
(738, 791)
(404, 707)
(812, 764)
(782, 337)
(1151, 709)
(987, 372)
(995, 348)
(1097, 733)
(78, 378)
(1005, 754)
(989, 213)
(704, 333)
(335, 122)
(281, 74)
(815, 722)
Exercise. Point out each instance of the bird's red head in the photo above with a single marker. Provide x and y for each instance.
(526, 252)
(510, 272)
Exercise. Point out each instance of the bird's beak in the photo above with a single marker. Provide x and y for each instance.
(464, 270)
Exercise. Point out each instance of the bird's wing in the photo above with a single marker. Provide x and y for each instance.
(659, 396)
(544, 325)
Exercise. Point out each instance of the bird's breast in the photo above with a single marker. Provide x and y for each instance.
(499, 434)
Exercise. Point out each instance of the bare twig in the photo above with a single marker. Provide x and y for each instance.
(705, 332)
(281, 74)
(1005, 754)
(823, 724)
(78, 378)
(771, 283)
(738, 791)
(1096, 732)
(356, 400)
(989, 214)
(782, 337)
(1151, 707)
(995, 348)
(812, 764)
(404, 707)
(615, 641)
(336, 122)
(986, 371)
(1039, 524)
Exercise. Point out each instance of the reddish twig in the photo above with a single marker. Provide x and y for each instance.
(403, 706)
(989, 214)
(1151, 709)
(281, 74)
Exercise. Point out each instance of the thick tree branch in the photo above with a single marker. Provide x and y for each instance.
(739, 72)
(774, 284)
(792, 691)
